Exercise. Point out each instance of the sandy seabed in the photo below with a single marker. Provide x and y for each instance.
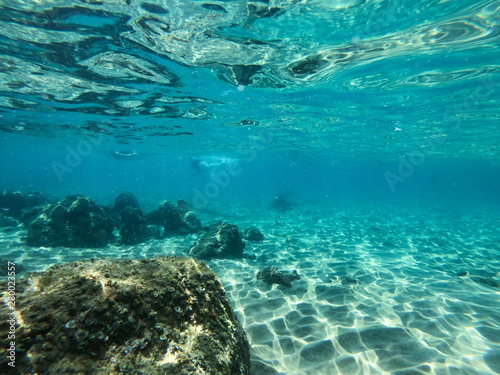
(382, 290)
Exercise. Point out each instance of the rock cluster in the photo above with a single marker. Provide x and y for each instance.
(76, 221)
(14, 203)
(165, 315)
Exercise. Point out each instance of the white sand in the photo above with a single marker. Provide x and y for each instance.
(408, 313)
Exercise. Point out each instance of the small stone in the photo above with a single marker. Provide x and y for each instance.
(253, 234)
(271, 275)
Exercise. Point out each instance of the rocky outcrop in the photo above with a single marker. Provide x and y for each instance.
(76, 221)
(222, 240)
(271, 275)
(156, 316)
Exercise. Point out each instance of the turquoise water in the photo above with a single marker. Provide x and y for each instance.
(377, 119)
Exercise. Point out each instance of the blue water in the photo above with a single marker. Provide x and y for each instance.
(363, 113)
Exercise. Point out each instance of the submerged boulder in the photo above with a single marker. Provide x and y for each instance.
(271, 275)
(134, 229)
(222, 240)
(7, 221)
(193, 224)
(183, 206)
(281, 203)
(154, 217)
(165, 315)
(253, 234)
(178, 222)
(76, 221)
(12, 202)
(124, 200)
(172, 219)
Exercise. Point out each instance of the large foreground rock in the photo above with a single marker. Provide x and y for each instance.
(156, 316)
(222, 240)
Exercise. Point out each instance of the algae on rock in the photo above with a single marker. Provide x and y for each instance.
(165, 315)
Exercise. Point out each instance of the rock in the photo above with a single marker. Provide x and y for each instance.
(192, 222)
(183, 206)
(125, 199)
(7, 221)
(30, 214)
(36, 199)
(253, 234)
(172, 219)
(134, 229)
(13, 203)
(76, 221)
(175, 223)
(154, 217)
(272, 275)
(222, 240)
(281, 203)
(156, 316)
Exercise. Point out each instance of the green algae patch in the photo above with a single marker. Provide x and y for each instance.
(164, 315)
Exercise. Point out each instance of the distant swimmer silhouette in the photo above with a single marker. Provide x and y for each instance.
(210, 164)
(124, 154)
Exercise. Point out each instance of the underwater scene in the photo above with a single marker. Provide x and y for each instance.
(293, 187)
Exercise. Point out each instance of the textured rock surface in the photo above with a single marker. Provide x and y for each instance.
(222, 240)
(76, 221)
(14, 203)
(177, 221)
(156, 316)
(134, 228)
(124, 200)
